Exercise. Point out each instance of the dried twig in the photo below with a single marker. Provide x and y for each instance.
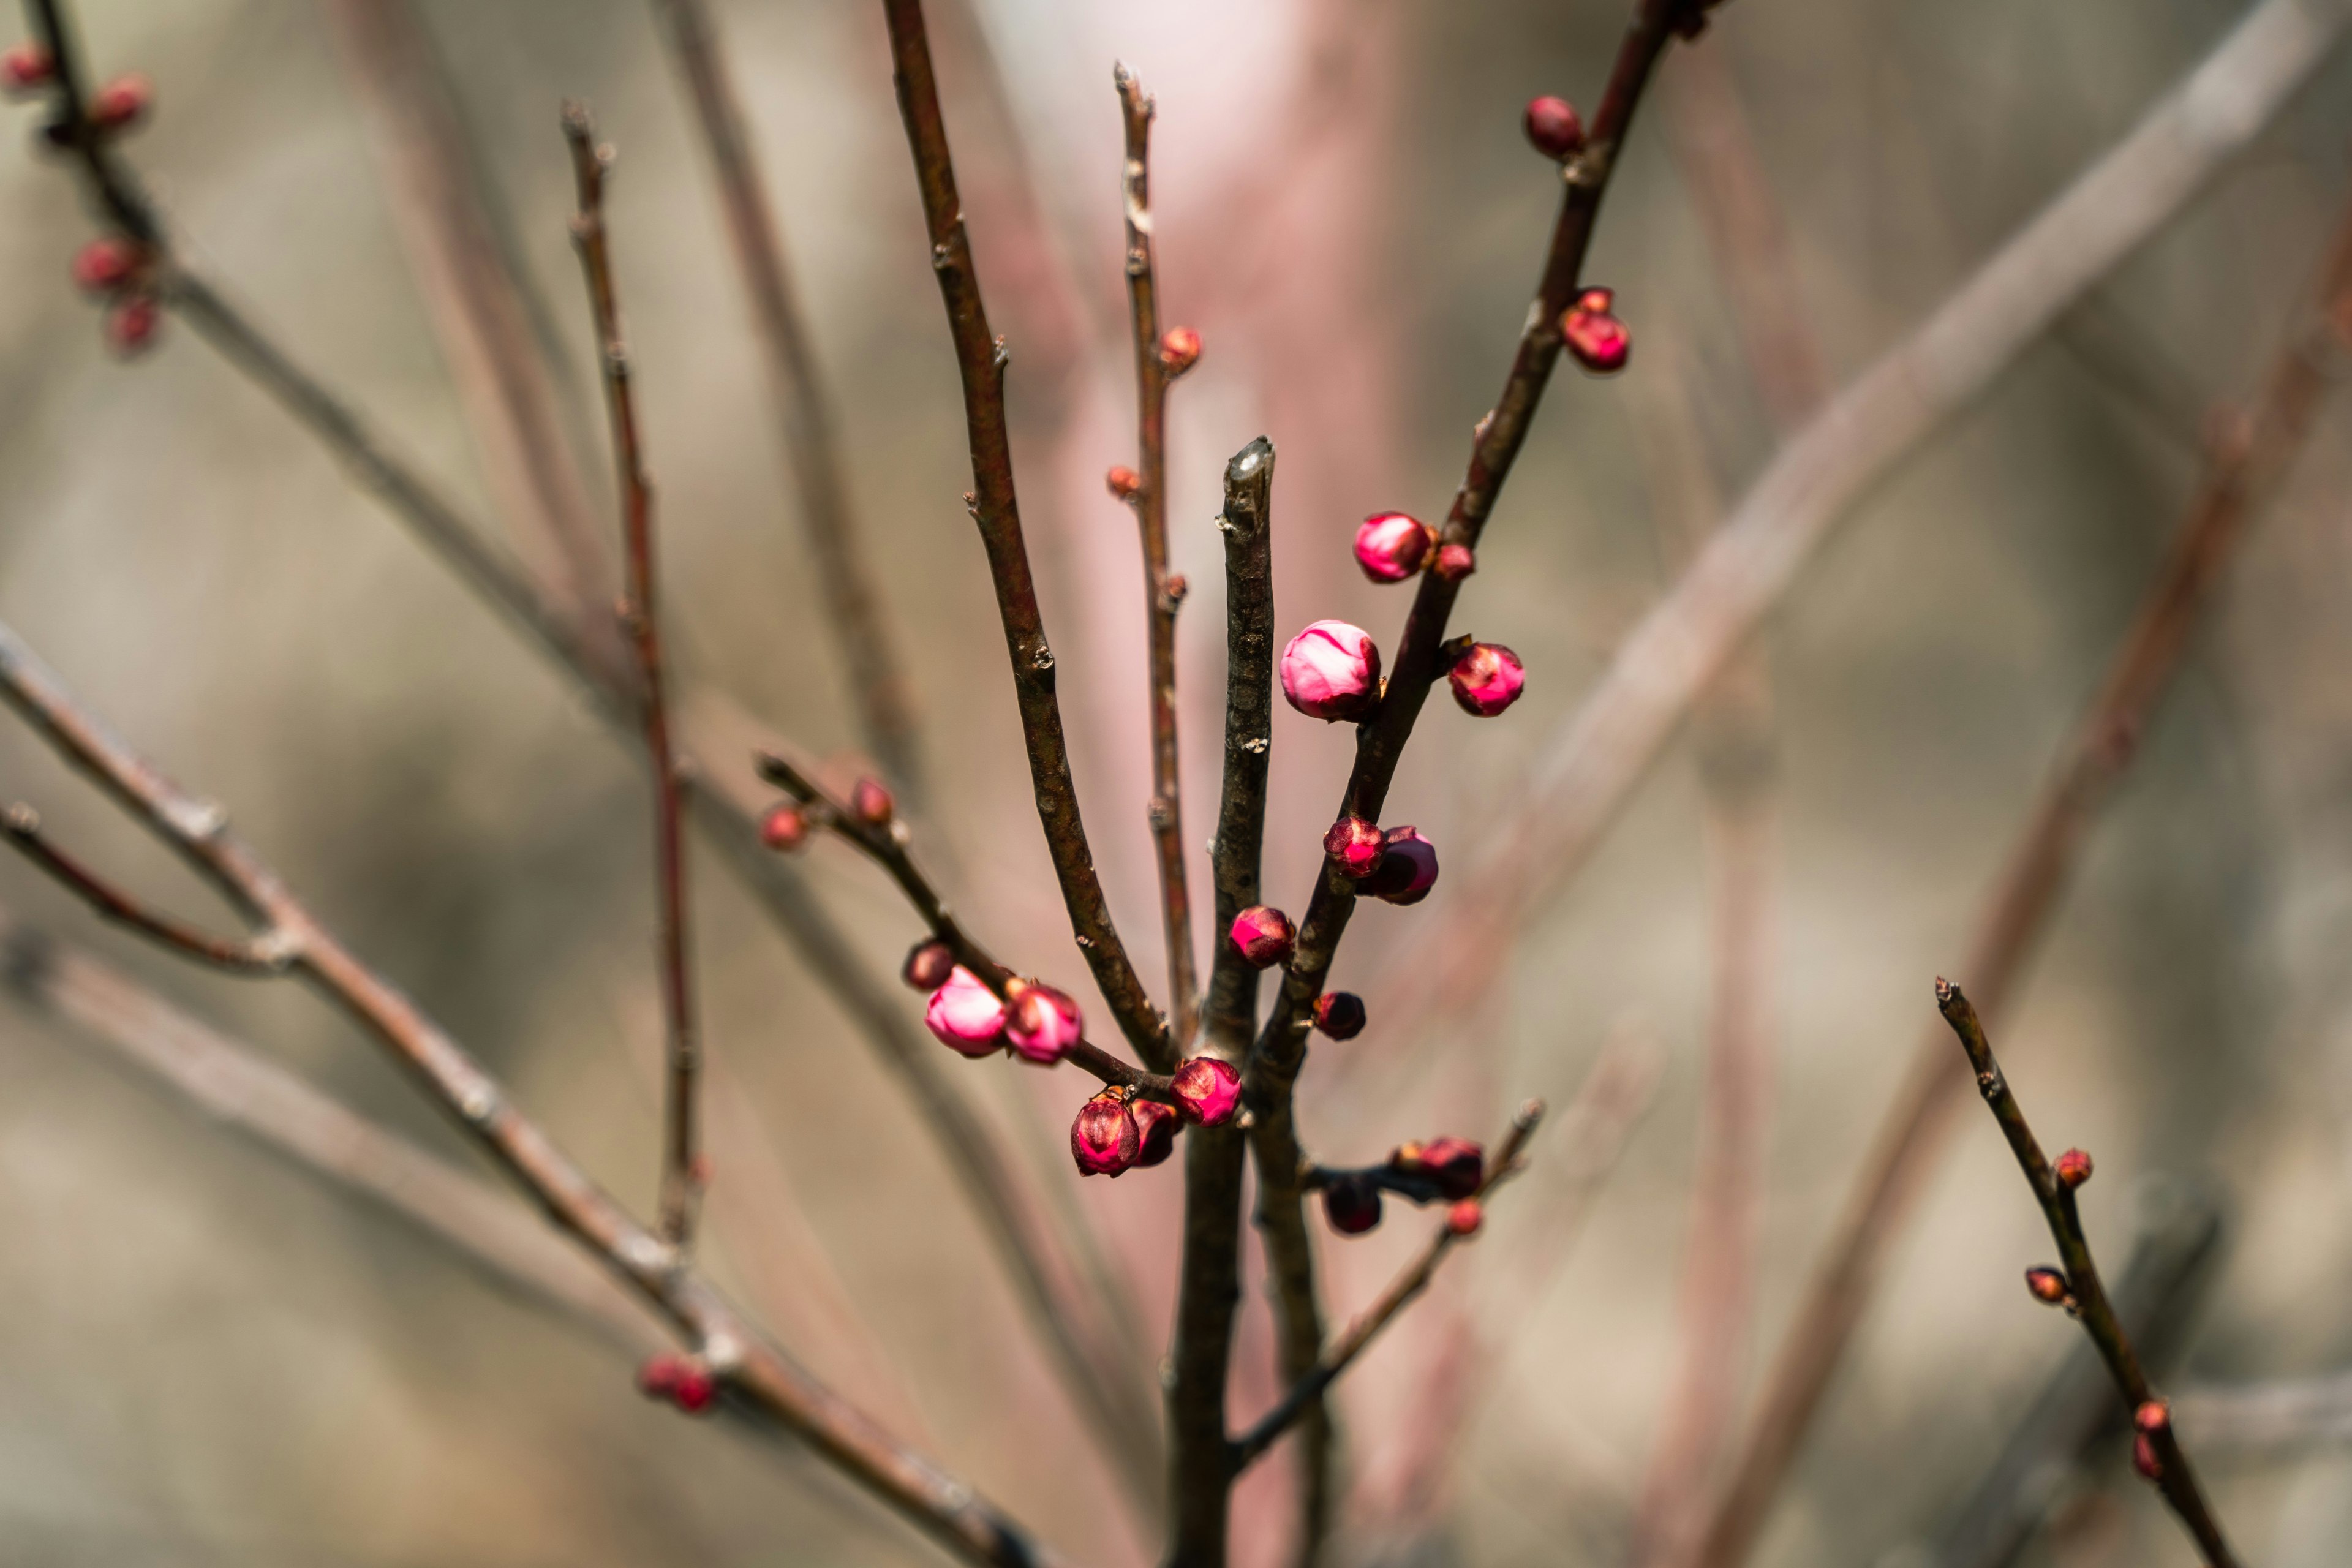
(2087, 1297)
(752, 1368)
(2242, 473)
(845, 577)
(256, 956)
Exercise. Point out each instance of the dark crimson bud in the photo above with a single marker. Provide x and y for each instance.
(1104, 1139)
(1486, 680)
(1391, 547)
(1458, 1164)
(1264, 935)
(1180, 349)
(1339, 1014)
(1209, 1090)
(1043, 1023)
(2152, 1417)
(1407, 872)
(2049, 1287)
(130, 325)
(1123, 481)
(1351, 1202)
(1595, 336)
(105, 263)
(1155, 1127)
(1553, 127)
(122, 102)
(784, 829)
(657, 1377)
(2144, 1457)
(1357, 846)
(25, 67)
(929, 965)
(2073, 1169)
(1332, 671)
(1464, 1218)
(1454, 563)
(871, 803)
(696, 1389)
(965, 1014)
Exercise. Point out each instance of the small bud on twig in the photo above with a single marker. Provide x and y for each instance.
(929, 965)
(1339, 1014)
(965, 1014)
(1332, 671)
(1487, 679)
(1391, 547)
(1123, 481)
(1155, 1127)
(1407, 872)
(1553, 127)
(1104, 1139)
(1355, 846)
(25, 66)
(1207, 1089)
(130, 325)
(2073, 1168)
(2144, 1457)
(682, 1380)
(1351, 1202)
(1464, 1218)
(871, 803)
(1264, 935)
(1457, 1165)
(123, 102)
(2049, 1287)
(1454, 563)
(2152, 1417)
(1043, 1023)
(1179, 349)
(1594, 335)
(105, 263)
(785, 830)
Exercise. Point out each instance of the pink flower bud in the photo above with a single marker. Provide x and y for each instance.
(784, 829)
(1464, 1218)
(1043, 1023)
(1357, 846)
(104, 264)
(1597, 338)
(2073, 1168)
(1339, 1014)
(1104, 1139)
(1391, 547)
(1487, 679)
(1208, 1089)
(965, 1014)
(1155, 1127)
(2152, 1417)
(1456, 1164)
(1553, 127)
(2049, 1287)
(682, 1380)
(1263, 936)
(1454, 563)
(929, 966)
(130, 325)
(1180, 349)
(122, 102)
(2144, 1457)
(25, 67)
(1123, 481)
(871, 804)
(1332, 671)
(1351, 1202)
(657, 1377)
(1407, 872)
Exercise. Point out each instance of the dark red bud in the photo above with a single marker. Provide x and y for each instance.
(1595, 336)
(1339, 1014)
(784, 829)
(1156, 1126)
(1104, 1139)
(1043, 1023)
(25, 67)
(1357, 846)
(2049, 1287)
(696, 1389)
(1179, 349)
(1464, 1218)
(1553, 127)
(1351, 1202)
(1124, 481)
(1457, 1165)
(122, 102)
(105, 263)
(1407, 872)
(681, 1380)
(1454, 563)
(2144, 1457)
(928, 966)
(2073, 1168)
(130, 325)
(871, 803)
(1263, 936)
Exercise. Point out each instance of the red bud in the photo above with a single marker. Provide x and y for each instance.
(1464, 1218)
(25, 67)
(2073, 1169)
(1043, 1023)
(683, 1381)
(2144, 1457)
(1357, 846)
(871, 803)
(1209, 1090)
(1263, 936)
(1486, 680)
(105, 263)
(1124, 481)
(1391, 547)
(1454, 563)
(784, 829)
(130, 325)
(1595, 336)
(1339, 1014)
(1104, 1139)
(1457, 1165)
(1180, 349)
(1553, 128)
(928, 965)
(965, 1014)
(122, 102)
(2152, 1417)
(2049, 1287)
(1155, 1127)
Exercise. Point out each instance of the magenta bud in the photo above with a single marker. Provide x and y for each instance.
(1155, 1127)
(657, 1376)
(1104, 1139)
(1179, 349)
(679, 1380)
(2073, 1168)
(1351, 1202)
(105, 265)
(1339, 1014)
(1487, 679)
(1407, 872)
(1208, 1089)
(1391, 547)
(130, 325)
(871, 804)
(965, 1014)
(1357, 846)
(1043, 1023)
(1263, 936)
(784, 829)
(1595, 336)
(1457, 1165)
(929, 966)
(122, 102)
(1332, 671)
(25, 67)
(1454, 563)
(1553, 127)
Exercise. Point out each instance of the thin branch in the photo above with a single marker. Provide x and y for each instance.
(2087, 1298)
(681, 1172)
(2242, 474)
(1163, 592)
(750, 1367)
(829, 526)
(1209, 1281)
(980, 357)
(1595, 760)
(1412, 1282)
(261, 956)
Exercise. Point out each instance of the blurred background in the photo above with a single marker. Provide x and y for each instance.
(208, 1354)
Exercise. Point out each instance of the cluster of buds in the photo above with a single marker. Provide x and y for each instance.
(1332, 671)
(1407, 870)
(681, 1380)
(1456, 1167)
(121, 272)
(1595, 334)
(1118, 1130)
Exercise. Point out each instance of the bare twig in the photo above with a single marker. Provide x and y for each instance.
(262, 955)
(753, 1369)
(836, 546)
(1400, 1294)
(1595, 760)
(2087, 1298)
(981, 358)
(2242, 473)
(682, 1174)
(1161, 592)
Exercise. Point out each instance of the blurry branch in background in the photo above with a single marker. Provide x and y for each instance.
(2281, 1415)
(2179, 1248)
(2156, 1452)
(1606, 748)
(744, 1363)
(2243, 470)
(1145, 488)
(684, 1170)
(726, 799)
(838, 554)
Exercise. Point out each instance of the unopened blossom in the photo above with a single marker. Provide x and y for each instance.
(1595, 334)
(1457, 1165)
(682, 1380)
(1209, 1090)
(1263, 936)
(871, 804)
(1390, 545)
(1351, 1202)
(1156, 1126)
(105, 263)
(2152, 1417)
(1332, 671)
(1487, 679)
(1104, 1139)
(1179, 349)
(1464, 1218)
(965, 1014)
(25, 67)
(784, 829)
(1454, 563)
(1339, 1014)
(929, 965)
(2073, 1168)
(1356, 846)
(2049, 1286)
(1122, 481)
(2144, 1457)
(122, 102)
(1043, 1023)
(1553, 127)
(1407, 872)
(131, 324)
